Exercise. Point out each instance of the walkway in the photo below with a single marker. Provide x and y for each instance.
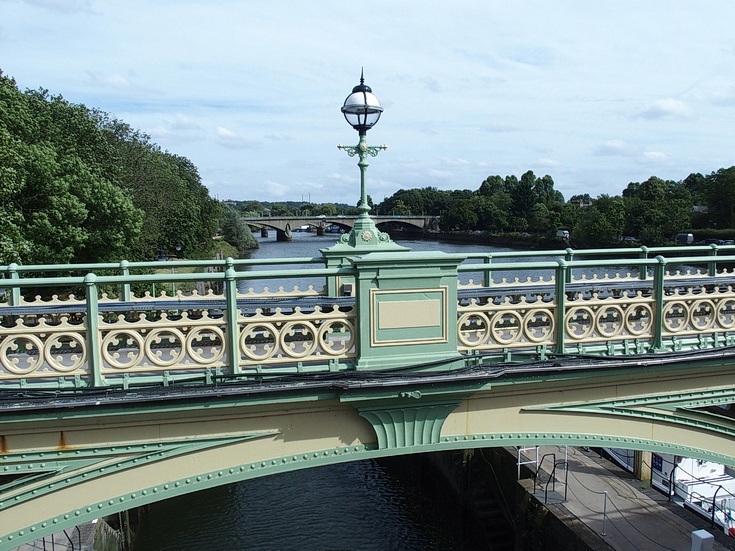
(638, 517)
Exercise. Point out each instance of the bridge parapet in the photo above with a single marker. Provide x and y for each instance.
(105, 326)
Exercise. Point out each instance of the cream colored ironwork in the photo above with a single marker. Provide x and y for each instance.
(54, 345)
(598, 311)
(516, 322)
(39, 346)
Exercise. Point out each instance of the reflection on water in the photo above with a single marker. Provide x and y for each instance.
(357, 506)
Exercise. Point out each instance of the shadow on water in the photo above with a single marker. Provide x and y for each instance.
(364, 505)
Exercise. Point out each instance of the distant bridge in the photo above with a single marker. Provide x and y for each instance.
(113, 396)
(286, 224)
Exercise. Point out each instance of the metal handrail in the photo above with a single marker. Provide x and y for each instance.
(540, 465)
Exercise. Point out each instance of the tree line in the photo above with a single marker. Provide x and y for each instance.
(651, 212)
(79, 185)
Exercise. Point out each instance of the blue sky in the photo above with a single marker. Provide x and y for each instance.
(596, 94)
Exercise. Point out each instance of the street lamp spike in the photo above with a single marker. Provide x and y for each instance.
(362, 111)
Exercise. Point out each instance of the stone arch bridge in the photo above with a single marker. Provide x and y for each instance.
(286, 224)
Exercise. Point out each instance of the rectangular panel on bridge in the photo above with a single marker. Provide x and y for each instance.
(401, 317)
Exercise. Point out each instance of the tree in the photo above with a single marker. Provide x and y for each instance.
(719, 191)
(460, 216)
(235, 231)
(656, 210)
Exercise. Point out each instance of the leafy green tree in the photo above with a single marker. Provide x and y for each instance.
(491, 186)
(77, 185)
(236, 232)
(656, 210)
(601, 224)
(719, 191)
(461, 215)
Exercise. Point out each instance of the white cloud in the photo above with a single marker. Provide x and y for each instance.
(668, 108)
(181, 130)
(654, 155)
(231, 140)
(440, 174)
(614, 148)
(274, 190)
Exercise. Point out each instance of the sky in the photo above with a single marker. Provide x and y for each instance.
(596, 94)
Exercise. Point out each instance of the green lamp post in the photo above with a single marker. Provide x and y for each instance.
(362, 111)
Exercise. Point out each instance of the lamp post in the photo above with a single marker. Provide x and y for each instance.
(362, 111)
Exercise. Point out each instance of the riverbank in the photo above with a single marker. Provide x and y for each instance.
(599, 507)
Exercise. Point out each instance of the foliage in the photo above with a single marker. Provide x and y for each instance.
(236, 232)
(77, 185)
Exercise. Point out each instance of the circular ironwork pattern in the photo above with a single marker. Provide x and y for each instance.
(638, 319)
(195, 349)
(31, 353)
(258, 341)
(579, 322)
(132, 343)
(298, 339)
(171, 346)
(506, 327)
(68, 361)
(726, 313)
(675, 316)
(331, 336)
(702, 314)
(609, 321)
(473, 329)
(538, 325)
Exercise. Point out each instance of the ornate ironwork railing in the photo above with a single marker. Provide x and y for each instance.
(106, 339)
(105, 324)
(618, 306)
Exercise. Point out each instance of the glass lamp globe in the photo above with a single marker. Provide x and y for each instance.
(362, 109)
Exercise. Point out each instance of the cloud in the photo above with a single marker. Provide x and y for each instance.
(274, 189)
(229, 139)
(116, 81)
(654, 155)
(440, 174)
(181, 130)
(668, 108)
(614, 148)
(724, 96)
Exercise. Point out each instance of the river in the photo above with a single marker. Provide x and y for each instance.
(364, 505)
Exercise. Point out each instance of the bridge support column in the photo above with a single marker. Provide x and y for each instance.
(408, 316)
(284, 235)
(642, 461)
(263, 232)
(321, 230)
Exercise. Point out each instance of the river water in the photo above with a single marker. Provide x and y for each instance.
(363, 505)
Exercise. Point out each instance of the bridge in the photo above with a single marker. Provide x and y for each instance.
(284, 225)
(116, 395)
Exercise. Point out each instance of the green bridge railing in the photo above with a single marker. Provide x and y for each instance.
(130, 323)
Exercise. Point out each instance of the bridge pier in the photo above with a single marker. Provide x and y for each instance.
(263, 232)
(321, 230)
(642, 461)
(284, 235)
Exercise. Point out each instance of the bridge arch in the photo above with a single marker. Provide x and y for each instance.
(99, 462)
